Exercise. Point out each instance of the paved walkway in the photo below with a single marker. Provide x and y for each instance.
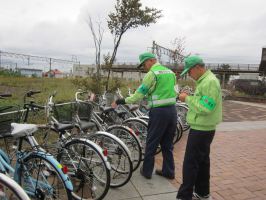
(238, 161)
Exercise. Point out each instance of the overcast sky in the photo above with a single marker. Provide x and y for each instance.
(218, 30)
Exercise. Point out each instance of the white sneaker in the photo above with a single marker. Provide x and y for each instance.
(198, 197)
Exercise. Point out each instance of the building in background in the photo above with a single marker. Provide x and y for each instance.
(83, 70)
(117, 71)
(55, 73)
(30, 72)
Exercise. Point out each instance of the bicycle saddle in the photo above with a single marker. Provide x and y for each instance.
(20, 130)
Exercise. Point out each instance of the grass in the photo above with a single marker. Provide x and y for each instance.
(18, 86)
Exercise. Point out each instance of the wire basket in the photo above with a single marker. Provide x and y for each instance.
(64, 112)
(8, 114)
(84, 110)
(109, 99)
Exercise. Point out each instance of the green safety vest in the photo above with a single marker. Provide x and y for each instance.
(164, 93)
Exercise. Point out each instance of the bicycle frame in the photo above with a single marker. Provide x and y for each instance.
(6, 167)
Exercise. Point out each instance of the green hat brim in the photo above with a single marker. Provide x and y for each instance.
(140, 65)
(184, 71)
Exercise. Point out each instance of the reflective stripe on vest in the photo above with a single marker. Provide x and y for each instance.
(163, 101)
(163, 72)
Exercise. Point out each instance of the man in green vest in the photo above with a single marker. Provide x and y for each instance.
(205, 112)
(158, 86)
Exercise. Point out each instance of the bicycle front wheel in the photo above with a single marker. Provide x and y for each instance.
(9, 189)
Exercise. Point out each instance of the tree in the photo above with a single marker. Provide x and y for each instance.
(179, 50)
(97, 39)
(224, 78)
(128, 14)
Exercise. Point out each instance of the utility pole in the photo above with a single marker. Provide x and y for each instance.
(28, 61)
(0, 59)
(50, 64)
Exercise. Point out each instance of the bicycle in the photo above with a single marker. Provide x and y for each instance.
(98, 122)
(127, 112)
(60, 120)
(38, 172)
(88, 167)
(9, 189)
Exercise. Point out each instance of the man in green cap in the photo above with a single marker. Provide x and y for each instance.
(205, 112)
(158, 86)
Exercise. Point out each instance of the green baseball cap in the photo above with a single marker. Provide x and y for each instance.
(190, 62)
(145, 56)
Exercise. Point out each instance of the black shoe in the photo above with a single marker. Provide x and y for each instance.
(160, 173)
(142, 174)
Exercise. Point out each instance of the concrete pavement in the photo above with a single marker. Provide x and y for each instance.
(238, 161)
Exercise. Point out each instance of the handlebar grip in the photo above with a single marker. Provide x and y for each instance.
(5, 95)
(36, 91)
(38, 106)
(30, 93)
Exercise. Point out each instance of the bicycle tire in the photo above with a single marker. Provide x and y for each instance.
(9, 189)
(88, 168)
(47, 173)
(179, 131)
(140, 127)
(182, 112)
(117, 151)
(130, 139)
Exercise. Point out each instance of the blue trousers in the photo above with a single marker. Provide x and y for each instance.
(161, 130)
(196, 165)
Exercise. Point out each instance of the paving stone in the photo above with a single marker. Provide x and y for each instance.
(167, 196)
(238, 164)
(127, 191)
(156, 185)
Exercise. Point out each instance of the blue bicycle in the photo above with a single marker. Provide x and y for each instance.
(36, 171)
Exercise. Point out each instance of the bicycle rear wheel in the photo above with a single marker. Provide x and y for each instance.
(182, 113)
(130, 139)
(140, 127)
(41, 179)
(87, 168)
(179, 131)
(118, 156)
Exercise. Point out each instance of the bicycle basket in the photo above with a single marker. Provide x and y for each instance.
(64, 112)
(109, 99)
(8, 114)
(84, 110)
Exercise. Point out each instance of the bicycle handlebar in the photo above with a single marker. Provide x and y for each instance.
(33, 105)
(5, 95)
(30, 93)
(79, 93)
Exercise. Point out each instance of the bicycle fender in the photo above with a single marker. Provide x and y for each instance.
(56, 165)
(115, 138)
(97, 147)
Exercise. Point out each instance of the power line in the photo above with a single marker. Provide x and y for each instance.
(30, 58)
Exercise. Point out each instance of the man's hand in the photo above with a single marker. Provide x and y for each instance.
(182, 96)
(114, 105)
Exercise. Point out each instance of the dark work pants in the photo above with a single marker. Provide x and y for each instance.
(161, 130)
(196, 166)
